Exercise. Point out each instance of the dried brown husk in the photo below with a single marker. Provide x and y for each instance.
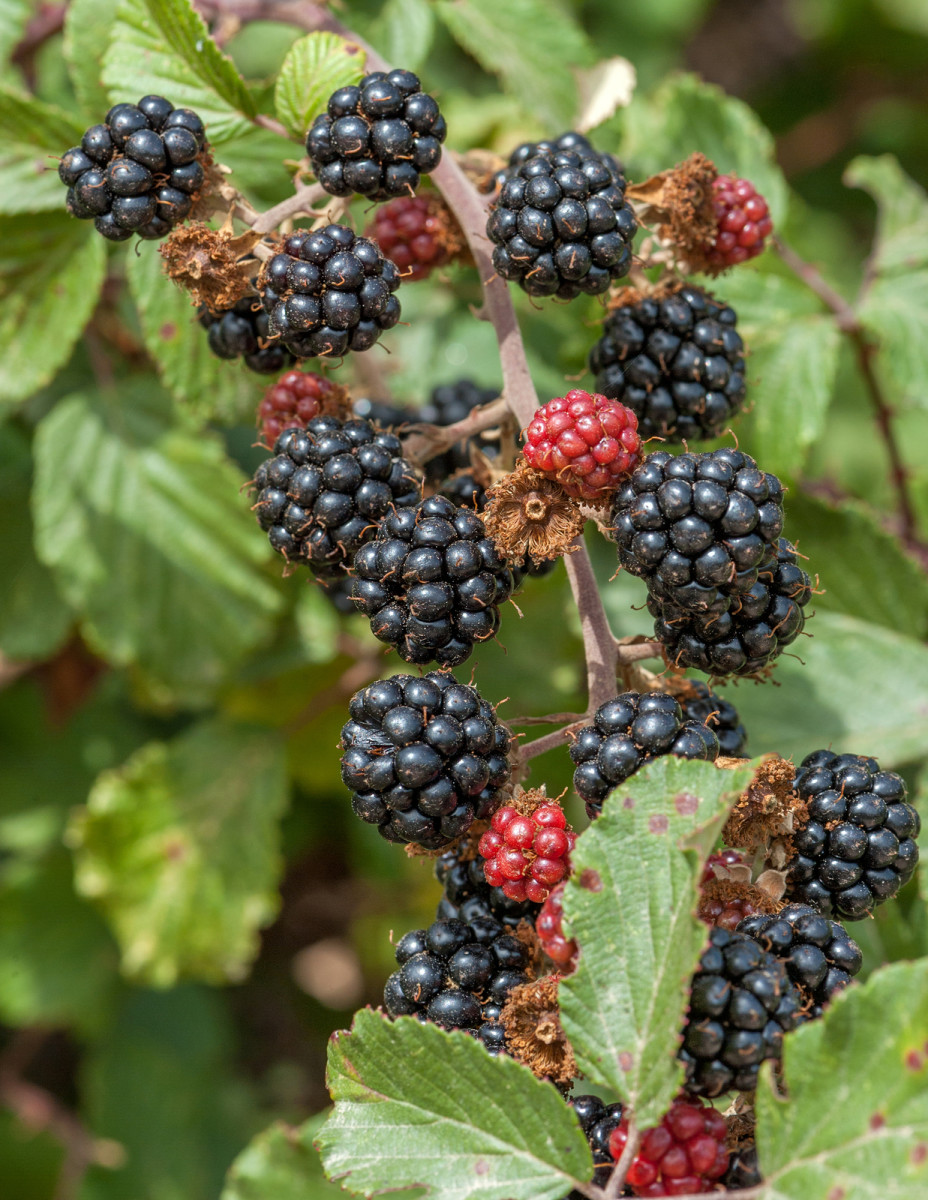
(214, 267)
(767, 813)
(529, 514)
(680, 202)
(534, 1034)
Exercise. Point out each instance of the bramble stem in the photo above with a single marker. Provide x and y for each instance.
(301, 201)
(423, 442)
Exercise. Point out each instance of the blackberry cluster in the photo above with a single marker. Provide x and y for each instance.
(467, 895)
(431, 582)
(424, 758)
(686, 1154)
(676, 362)
(449, 403)
(597, 1120)
(567, 143)
(561, 226)
(719, 714)
(858, 847)
(242, 332)
(628, 732)
(458, 974)
(321, 495)
(328, 292)
(138, 172)
(377, 138)
(820, 956)
(741, 1004)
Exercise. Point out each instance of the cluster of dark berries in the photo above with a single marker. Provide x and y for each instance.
(431, 582)
(699, 704)
(424, 757)
(568, 143)
(741, 1004)
(242, 332)
(377, 138)
(686, 1154)
(294, 400)
(743, 222)
(458, 974)
(139, 172)
(597, 1120)
(467, 895)
(549, 925)
(820, 956)
(328, 291)
(676, 361)
(858, 846)
(448, 404)
(561, 226)
(628, 732)
(321, 495)
(586, 442)
(417, 234)
(527, 853)
(381, 412)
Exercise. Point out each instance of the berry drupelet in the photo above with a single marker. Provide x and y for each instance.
(586, 442)
(377, 138)
(467, 895)
(699, 704)
(242, 332)
(326, 487)
(139, 172)
(549, 927)
(424, 757)
(431, 582)
(628, 732)
(741, 1004)
(561, 226)
(686, 1154)
(294, 400)
(743, 221)
(568, 143)
(417, 234)
(676, 361)
(858, 846)
(458, 974)
(820, 956)
(328, 292)
(527, 853)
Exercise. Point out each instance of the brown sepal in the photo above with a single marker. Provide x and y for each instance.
(214, 267)
(767, 813)
(680, 203)
(529, 514)
(534, 1034)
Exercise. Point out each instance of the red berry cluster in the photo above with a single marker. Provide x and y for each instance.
(684, 1155)
(527, 855)
(295, 399)
(743, 222)
(413, 232)
(549, 927)
(585, 441)
(726, 910)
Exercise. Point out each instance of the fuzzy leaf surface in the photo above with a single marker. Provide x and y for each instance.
(281, 1163)
(845, 1129)
(179, 849)
(315, 67)
(632, 914)
(451, 1118)
(33, 136)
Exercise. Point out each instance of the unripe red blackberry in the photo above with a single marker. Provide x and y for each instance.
(417, 234)
(527, 853)
(139, 172)
(549, 927)
(242, 332)
(726, 895)
(686, 1154)
(294, 400)
(743, 222)
(377, 138)
(586, 442)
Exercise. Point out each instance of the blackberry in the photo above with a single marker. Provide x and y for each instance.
(293, 400)
(377, 138)
(588, 444)
(597, 1120)
(417, 233)
(567, 143)
(139, 172)
(743, 1170)
(820, 956)
(743, 222)
(462, 489)
(448, 404)
(424, 758)
(686, 1153)
(431, 582)
(699, 704)
(320, 496)
(741, 1004)
(858, 846)
(467, 895)
(242, 332)
(757, 627)
(677, 362)
(527, 852)
(628, 732)
(328, 291)
(561, 226)
(382, 413)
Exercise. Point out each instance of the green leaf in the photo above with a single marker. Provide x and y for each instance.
(87, 25)
(530, 45)
(179, 848)
(632, 915)
(852, 1121)
(162, 46)
(149, 538)
(405, 30)
(450, 1118)
(895, 308)
(33, 136)
(51, 272)
(902, 224)
(34, 620)
(893, 591)
(685, 114)
(213, 388)
(281, 1164)
(315, 67)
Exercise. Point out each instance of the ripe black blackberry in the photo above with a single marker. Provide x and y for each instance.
(719, 714)
(139, 172)
(322, 493)
(337, 590)
(561, 226)
(424, 757)
(820, 956)
(758, 626)
(741, 1004)
(242, 332)
(431, 582)
(467, 894)
(858, 846)
(377, 138)
(597, 1120)
(382, 413)
(328, 291)
(628, 732)
(567, 143)
(449, 403)
(458, 974)
(677, 362)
